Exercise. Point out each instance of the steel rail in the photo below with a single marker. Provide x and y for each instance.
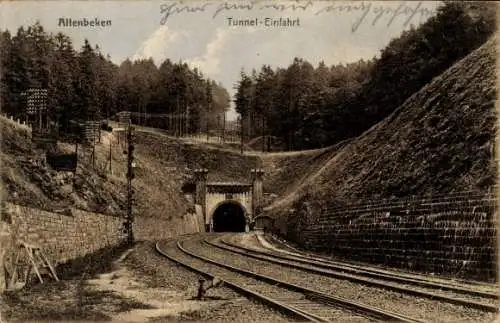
(319, 262)
(323, 259)
(245, 291)
(357, 279)
(363, 309)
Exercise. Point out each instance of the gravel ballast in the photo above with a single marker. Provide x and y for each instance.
(277, 293)
(415, 307)
(228, 306)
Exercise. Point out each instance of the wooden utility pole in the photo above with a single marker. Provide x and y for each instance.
(218, 127)
(93, 153)
(262, 136)
(208, 119)
(40, 119)
(110, 169)
(187, 121)
(176, 116)
(289, 122)
(130, 176)
(208, 114)
(224, 127)
(241, 134)
(74, 172)
(169, 119)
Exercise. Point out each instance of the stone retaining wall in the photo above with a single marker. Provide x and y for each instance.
(62, 237)
(455, 237)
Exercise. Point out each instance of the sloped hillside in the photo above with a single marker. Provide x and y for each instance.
(287, 171)
(275, 144)
(440, 140)
(164, 164)
(31, 184)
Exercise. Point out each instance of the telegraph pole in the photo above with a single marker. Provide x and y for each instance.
(209, 107)
(262, 136)
(224, 127)
(93, 152)
(218, 128)
(130, 176)
(241, 134)
(110, 155)
(187, 121)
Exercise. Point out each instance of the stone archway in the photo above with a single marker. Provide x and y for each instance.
(229, 217)
(210, 195)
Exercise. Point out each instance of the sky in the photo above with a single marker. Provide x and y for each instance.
(199, 33)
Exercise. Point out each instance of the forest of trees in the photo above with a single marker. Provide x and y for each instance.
(85, 85)
(309, 107)
(300, 106)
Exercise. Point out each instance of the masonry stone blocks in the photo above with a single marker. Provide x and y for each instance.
(211, 195)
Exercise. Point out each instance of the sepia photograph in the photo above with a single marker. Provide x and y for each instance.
(248, 161)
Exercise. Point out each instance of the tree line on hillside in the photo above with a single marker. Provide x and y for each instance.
(86, 85)
(309, 107)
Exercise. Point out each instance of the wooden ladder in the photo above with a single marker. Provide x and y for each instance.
(37, 260)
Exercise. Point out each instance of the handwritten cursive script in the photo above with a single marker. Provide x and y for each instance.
(256, 4)
(168, 10)
(364, 8)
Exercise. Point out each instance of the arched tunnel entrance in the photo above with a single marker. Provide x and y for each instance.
(229, 217)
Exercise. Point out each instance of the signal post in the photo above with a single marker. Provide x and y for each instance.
(128, 224)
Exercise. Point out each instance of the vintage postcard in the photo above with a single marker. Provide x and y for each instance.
(248, 161)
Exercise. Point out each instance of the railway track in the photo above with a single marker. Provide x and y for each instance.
(480, 300)
(301, 302)
(285, 248)
(417, 307)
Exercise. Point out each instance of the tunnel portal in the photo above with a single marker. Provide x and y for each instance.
(229, 217)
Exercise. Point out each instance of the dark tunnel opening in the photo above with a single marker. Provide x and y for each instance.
(229, 217)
